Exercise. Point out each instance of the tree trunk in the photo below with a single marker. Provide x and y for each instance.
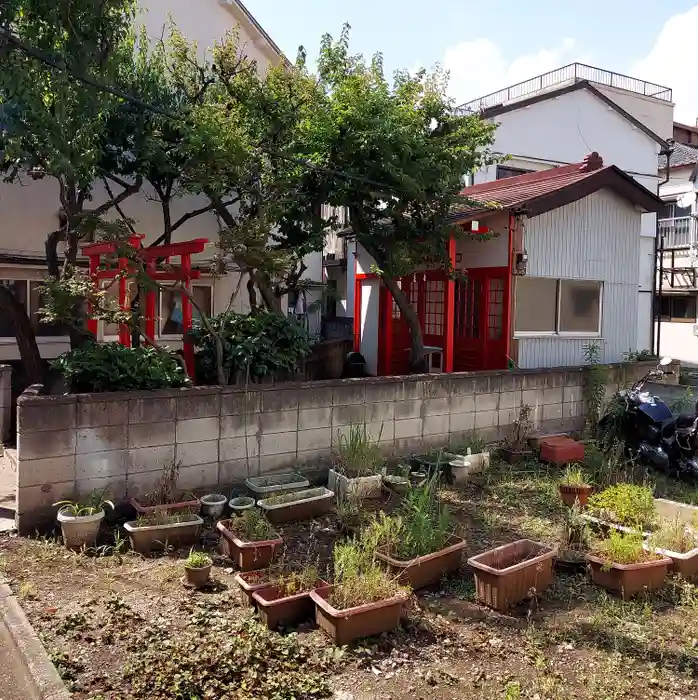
(418, 362)
(13, 310)
(271, 300)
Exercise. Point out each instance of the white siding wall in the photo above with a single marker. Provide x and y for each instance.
(595, 238)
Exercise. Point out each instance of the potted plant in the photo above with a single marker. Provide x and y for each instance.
(422, 548)
(359, 465)
(213, 505)
(363, 600)
(165, 497)
(239, 504)
(516, 448)
(197, 569)
(249, 540)
(80, 520)
(624, 507)
(623, 565)
(297, 505)
(574, 486)
(571, 557)
(251, 581)
(162, 530)
(286, 601)
(677, 540)
(505, 575)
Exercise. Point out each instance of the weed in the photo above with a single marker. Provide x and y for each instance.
(674, 535)
(297, 581)
(350, 513)
(594, 388)
(197, 560)
(357, 454)
(574, 476)
(474, 443)
(252, 526)
(165, 490)
(520, 430)
(625, 504)
(623, 548)
(28, 591)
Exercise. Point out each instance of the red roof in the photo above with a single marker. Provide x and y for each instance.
(535, 193)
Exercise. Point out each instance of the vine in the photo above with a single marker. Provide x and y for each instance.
(594, 387)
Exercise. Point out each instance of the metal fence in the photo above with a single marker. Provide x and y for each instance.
(679, 232)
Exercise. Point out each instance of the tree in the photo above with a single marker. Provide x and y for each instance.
(403, 151)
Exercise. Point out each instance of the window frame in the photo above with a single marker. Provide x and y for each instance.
(677, 319)
(516, 171)
(557, 333)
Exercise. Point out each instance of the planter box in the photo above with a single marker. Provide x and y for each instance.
(511, 456)
(252, 581)
(603, 526)
(247, 556)
(669, 510)
(190, 506)
(344, 626)
(299, 505)
(145, 538)
(464, 466)
(571, 494)
(429, 569)
(275, 611)
(561, 450)
(629, 579)
(684, 564)
(504, 576)
(357, 488)
(263, 486)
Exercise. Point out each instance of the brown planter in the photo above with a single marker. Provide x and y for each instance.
(629, 579)
(299, 505)
(344, 626)
(515, 456)
(275, 611)
(683, 564)
(191, 506)
(426, 570)
(145, 538)
(197, 577)
(504, 576)
(252, 581)
(571, 494)
(247, 556)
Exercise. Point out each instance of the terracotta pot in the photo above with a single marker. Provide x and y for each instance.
(191, 506)
(571, 494)
(344, 626)
(299, 505)
(290, 610)
(197, 577)
(684, 564)
(247, 556)
(629, 579)
(252, 581)
(79, 531)
(504, 576)
(428, 569)
(511, 456)
(145, 538)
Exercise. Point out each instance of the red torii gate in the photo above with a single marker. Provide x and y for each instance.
(107, 270)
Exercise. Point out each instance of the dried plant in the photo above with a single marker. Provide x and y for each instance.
(165, 490)
(521, 429)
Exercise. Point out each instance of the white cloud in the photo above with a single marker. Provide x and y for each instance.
(671, 62)
(479, 67)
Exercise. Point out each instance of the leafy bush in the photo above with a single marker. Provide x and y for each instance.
(97, 367)
(622, 548)
(266, 343)
(625, 504)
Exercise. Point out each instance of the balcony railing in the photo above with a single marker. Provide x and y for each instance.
(679, 232)
(571, 73)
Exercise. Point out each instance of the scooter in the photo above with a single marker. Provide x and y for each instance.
(650, 430)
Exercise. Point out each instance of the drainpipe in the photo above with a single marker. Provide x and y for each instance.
(659, 250)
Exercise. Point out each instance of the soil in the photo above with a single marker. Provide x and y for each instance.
(97, 614)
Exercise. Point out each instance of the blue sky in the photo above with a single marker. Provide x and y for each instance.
(489, 45)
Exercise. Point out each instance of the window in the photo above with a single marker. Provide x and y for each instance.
(678, 308)
(671, 210)
(549, 306)
(29, 294)
(503, 172)
(171, 308)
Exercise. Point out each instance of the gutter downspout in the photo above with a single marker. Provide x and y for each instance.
(659, 250)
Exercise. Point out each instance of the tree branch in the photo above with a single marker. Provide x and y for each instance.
(127, 192)
(118, 208)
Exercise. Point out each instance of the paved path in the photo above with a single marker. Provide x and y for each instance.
(15, 683)
(7, 496)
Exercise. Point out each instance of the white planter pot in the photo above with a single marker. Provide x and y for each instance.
(357, 488)
(213, 505)
(240, 504)
(79, 531)
(464, 466)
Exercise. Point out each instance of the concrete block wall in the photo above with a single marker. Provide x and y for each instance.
(5, 402)
(72, 444)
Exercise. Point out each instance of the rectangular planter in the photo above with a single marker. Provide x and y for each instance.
(357, 488)
(511, 456)
(252, 581)
(145, 538)
(683, 564)
(290, 610)
(629, 579)
(189, 506)
(299, 505)
(429, 569)
(247, 556)
(504, 576)
(264, 486)
(345, 626)
(603, 526)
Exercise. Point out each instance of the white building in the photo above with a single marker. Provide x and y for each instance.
(29, 211)
(556, 118)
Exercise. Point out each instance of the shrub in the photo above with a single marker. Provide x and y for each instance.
(265, 343)
(622, 548)
(625, 504)
(97, 367)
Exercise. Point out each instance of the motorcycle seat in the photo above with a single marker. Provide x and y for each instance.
(684, 421)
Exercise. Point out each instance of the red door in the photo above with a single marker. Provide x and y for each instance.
(481, 320)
